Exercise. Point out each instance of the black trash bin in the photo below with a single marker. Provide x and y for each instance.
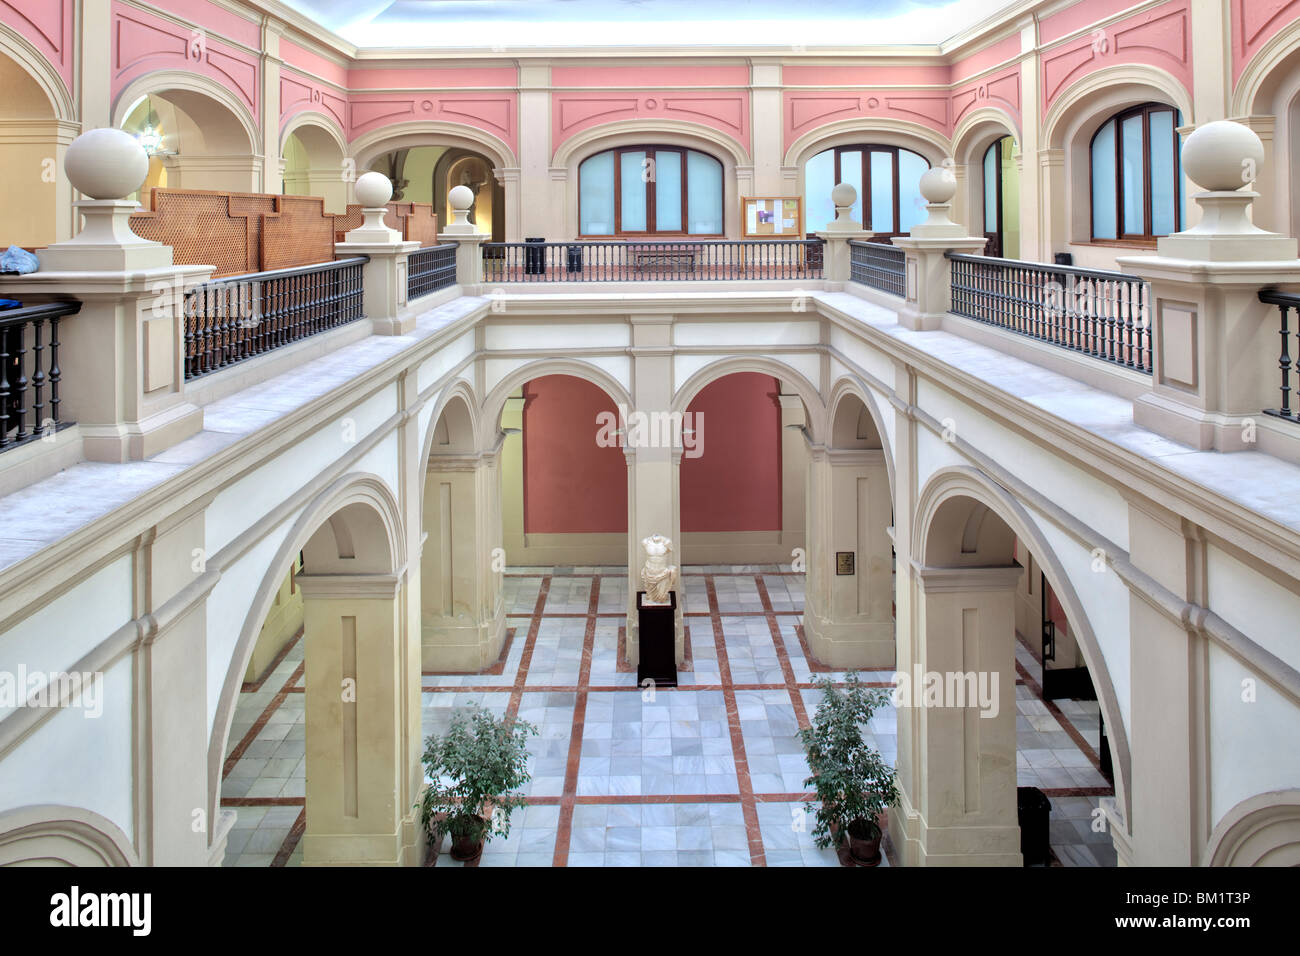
(573, 256)
(1063, 258)
(1034, 810)
(535, 257)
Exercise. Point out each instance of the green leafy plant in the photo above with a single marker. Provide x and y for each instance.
(853, 783)
(475, 769)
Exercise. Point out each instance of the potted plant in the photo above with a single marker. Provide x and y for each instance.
(475, 769)
(854, 786)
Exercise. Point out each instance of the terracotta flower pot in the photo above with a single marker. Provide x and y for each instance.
(466, 848)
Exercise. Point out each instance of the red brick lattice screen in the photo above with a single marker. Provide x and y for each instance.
(239, 233)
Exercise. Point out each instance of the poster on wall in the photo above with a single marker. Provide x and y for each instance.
(771, 217)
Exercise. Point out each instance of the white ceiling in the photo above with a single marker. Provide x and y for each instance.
(499, 25)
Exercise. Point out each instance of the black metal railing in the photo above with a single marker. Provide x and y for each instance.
(29, 372)
(431, 269)
(1105, 315)
(232, 319)
(635, 261)
(1285, 301)
(879, 266)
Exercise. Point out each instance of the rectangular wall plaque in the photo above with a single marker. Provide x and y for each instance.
(843, 562)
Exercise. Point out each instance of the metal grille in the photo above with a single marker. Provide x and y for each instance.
(1102, 314)
(429, 270)
(1285, 301)
(234, 319)
(635, 261)
(30, 373)
(878, 265)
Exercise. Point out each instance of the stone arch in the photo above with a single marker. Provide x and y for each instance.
(468, 432)
(974, 135)
(1077, 114)
(1272, 62)
(934, 146)
(1267, 98)
(852, 386)
(1263, 830)
(807, 392)
(370, 146)
(490, 410)
(314, 159)
(20, 50)
(980, 541)
(39, 120)
(217, 142)
(372, 531)
(62, 836)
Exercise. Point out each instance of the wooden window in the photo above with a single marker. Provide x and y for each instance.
(1136, 175)
(650, 191)
(886, 178)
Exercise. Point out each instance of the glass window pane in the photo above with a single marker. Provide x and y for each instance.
(596, 195)
(1164, 175)
(882, 192)
(991, 187)
(1103, 183)
(818, 181)
(911, 204)
(1133, 170)
(635, 172)
(704, 194)
(851, 172)
(668, 191)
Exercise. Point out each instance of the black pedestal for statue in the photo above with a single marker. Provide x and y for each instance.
(658, 646)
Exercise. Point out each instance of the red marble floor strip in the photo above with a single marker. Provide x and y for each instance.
(782, 655)
(291, 841)
(814, 665)
(258, 724)
(1079, 740)
(754, 834)
(254, 686)
(530, 642)
(263, 801)
(564, 828)
(496, 668)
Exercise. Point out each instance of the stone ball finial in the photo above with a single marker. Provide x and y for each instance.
(1223, 156)
(373, 190)
(461, 197)
(938, 184)
(106, 163)
(845, 194)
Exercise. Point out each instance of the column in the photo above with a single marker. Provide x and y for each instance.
(653, 501)
(767, 133)
(848, 601)
(794, 473)
(356, 768)
(928, 274)
(462, 614)
(537, 217)
(1031, 234)
(271, 181)
(963, 791)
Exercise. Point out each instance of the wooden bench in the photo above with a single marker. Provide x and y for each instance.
(664, 260)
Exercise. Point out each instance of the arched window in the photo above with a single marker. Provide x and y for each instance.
(650, 190)
(1137, 175)
(889, 175)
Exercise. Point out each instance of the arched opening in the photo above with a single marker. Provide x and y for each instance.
(849, 616)
(975, 729)
(655, 191)
(319, 757)
(314, 166)
(194, 141)
(31, 149)
(1000, 192)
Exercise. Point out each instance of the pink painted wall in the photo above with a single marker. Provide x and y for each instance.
(48, 25)
(736, 484)
(1254, 23)
(143, 43)
(571, 484)
(1159, 37)
(495, 113)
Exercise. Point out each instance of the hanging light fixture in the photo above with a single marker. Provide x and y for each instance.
(150, 136)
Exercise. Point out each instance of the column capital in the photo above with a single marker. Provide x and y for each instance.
(342, 586)
(960, 580)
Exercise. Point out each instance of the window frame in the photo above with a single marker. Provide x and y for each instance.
(867, 149)
(1145, 238)
(651, 216)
